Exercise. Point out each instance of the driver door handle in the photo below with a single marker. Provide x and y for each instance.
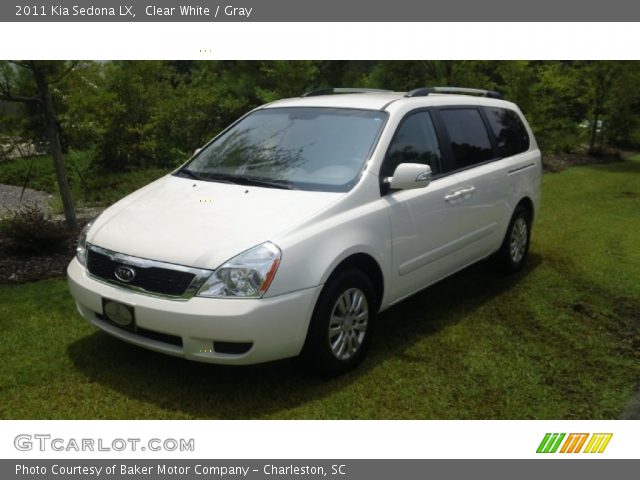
(452, 196)
(462, 193)
(467, 192)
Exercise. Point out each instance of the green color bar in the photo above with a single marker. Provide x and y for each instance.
(550, 442)
(558, 442)
(543, 443)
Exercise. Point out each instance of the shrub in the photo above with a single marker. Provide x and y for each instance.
(31, 232)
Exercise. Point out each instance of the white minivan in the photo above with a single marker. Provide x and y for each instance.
(292, 229)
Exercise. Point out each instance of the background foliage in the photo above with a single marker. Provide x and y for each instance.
(131, 115)
(125, 123)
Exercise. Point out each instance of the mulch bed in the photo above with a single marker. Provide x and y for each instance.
(20, 268)
(561, 161)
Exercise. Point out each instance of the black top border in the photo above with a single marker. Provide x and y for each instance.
(324, 11)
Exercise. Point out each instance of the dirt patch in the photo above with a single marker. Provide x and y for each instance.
(632, 411)
(629, 194)
(585, 310)
(629, 309)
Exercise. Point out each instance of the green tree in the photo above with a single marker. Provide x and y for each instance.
(155, 113)
(599, 78)
(32, 83)
(622, 108)
(407, 75)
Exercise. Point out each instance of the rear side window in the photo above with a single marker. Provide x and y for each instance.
(415, 141)
(468, 135)
(511, 135)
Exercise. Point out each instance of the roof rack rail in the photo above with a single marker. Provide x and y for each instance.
(330, 91)
(423, 92)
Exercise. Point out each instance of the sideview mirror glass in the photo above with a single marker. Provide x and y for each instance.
(410, 175)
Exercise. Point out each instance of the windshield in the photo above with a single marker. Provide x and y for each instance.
(301, 148)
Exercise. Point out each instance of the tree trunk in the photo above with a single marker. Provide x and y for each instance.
(594, 131)
(56, 147)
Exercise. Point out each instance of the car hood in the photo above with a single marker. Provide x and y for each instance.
(201, 224)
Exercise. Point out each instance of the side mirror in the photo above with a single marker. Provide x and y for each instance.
(196, 151)
(410, 175)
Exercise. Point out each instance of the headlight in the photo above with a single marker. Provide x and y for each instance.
(81, 249)
(248, 275)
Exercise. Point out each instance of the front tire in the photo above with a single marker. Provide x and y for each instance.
(515, 246)
(341, 327)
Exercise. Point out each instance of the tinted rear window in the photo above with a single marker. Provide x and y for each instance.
(511, 135)
(468, 135)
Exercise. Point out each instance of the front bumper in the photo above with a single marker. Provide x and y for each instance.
(275, 327)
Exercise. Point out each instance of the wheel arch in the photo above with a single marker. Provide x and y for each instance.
(368, 265)
(527, 203)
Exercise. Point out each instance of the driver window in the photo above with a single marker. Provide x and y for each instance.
(415, 141)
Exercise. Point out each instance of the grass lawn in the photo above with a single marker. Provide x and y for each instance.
(559, 340)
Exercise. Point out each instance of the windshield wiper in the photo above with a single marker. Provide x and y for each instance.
(185, 172)
(258, 182)
(205, 177)
(237, 179)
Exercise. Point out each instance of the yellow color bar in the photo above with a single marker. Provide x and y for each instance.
(598, 442)
(607, 438)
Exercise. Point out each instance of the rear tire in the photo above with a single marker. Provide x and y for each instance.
(341, 326)
(515, 246)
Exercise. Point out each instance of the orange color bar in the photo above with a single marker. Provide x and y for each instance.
(583, 439)
(567, 442)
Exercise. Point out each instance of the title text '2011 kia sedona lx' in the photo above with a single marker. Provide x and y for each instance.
(292, 229)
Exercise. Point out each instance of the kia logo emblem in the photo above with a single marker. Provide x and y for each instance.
(125, 274)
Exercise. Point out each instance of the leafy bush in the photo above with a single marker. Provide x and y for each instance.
(31, 232)
(90, 183)
(38, 172)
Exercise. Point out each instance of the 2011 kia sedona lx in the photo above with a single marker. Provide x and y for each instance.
(292, 229)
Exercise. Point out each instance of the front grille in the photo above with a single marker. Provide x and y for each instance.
(162, 281)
